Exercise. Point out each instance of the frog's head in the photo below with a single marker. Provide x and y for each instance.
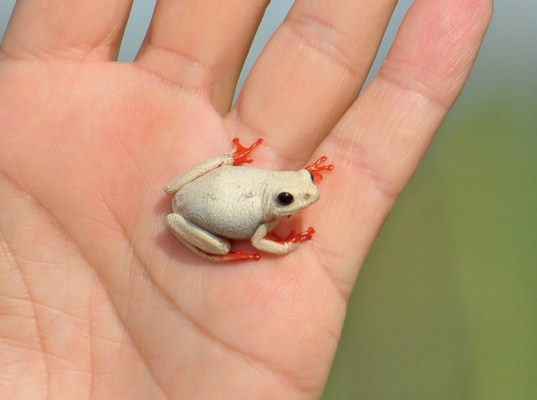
(292, 192)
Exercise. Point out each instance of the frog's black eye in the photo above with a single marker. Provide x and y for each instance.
(285, 198)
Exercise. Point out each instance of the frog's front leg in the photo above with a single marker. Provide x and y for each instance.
(279, 246)
(204, 243)
(196, 172)
(238, 157)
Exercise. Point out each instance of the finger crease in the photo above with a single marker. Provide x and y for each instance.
(368, 166)
(164, 63)
(325, 254)
(325, 39)
(410, 78)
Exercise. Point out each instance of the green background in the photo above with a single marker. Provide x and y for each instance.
(446, 304)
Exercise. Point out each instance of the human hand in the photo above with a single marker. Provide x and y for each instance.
(97, 298)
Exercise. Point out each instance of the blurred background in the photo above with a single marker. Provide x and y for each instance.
(446, 304)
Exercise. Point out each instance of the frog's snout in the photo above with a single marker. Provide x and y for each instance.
(312, 195)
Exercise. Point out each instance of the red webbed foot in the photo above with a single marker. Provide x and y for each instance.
(316, 168)
(294, 237)
(240, 155)
(240, 255)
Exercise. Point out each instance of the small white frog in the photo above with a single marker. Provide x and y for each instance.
(220, 200)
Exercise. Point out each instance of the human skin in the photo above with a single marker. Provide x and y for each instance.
(98, 300)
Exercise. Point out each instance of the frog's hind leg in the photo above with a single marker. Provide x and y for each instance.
(197, 237)
(204, 243)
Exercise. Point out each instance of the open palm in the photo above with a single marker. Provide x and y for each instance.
(97, 298)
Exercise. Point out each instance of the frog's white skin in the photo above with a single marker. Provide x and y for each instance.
(216, 201)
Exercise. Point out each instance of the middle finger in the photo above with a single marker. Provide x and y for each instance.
(309, 74)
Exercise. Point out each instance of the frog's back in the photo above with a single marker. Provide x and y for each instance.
(229, 201)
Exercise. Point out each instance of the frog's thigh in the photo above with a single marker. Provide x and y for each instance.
(195, 236)
(260, 242)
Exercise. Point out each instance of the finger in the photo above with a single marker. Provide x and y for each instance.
(75, 29)
(380, 141)
(201, 45)
(310, 72)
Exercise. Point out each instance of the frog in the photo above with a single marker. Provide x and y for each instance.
(222, 200)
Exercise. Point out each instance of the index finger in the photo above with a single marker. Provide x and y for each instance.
(379, 142)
